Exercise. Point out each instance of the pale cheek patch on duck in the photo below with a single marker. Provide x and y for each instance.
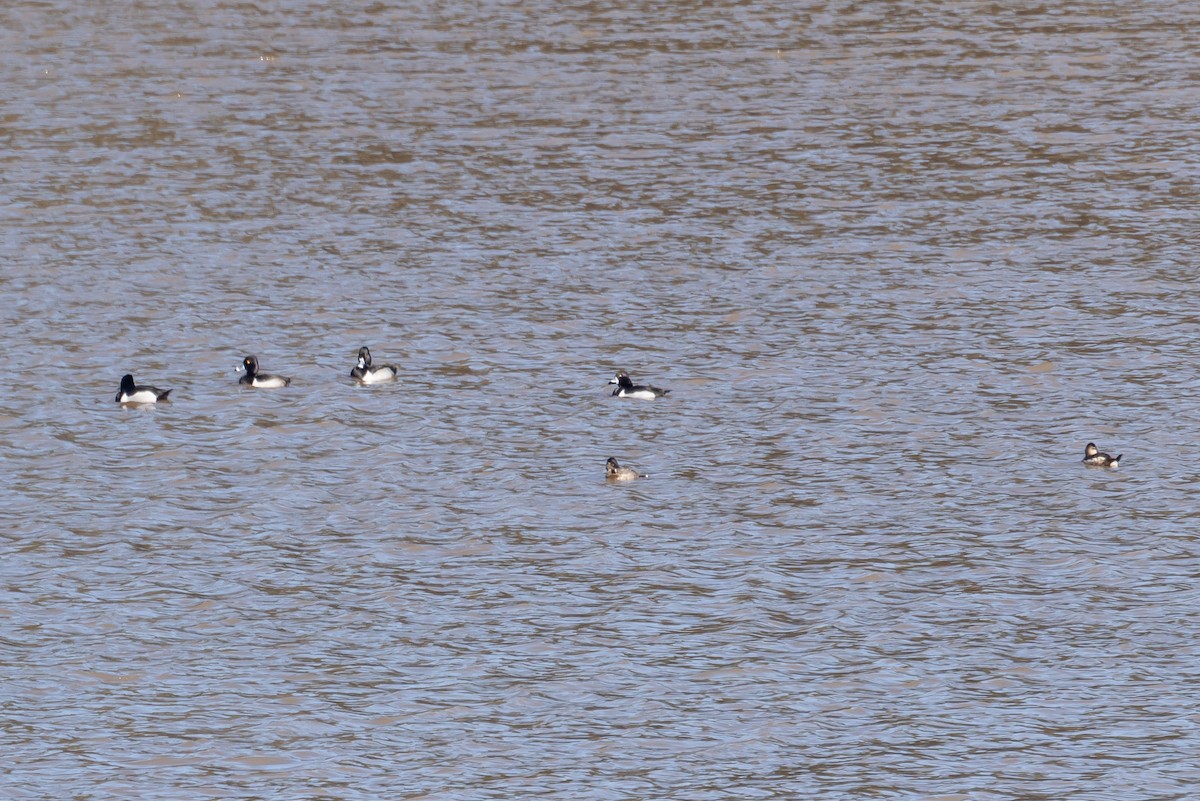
(1094, 457)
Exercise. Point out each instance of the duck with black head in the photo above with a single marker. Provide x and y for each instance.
(372, 374)
(131, 392)
(260, 380)
(627, 389)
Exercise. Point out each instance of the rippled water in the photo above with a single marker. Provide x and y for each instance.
(897, 262)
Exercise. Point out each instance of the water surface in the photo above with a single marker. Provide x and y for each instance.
(897, 262)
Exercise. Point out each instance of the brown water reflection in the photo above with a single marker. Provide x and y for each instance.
(897, 263)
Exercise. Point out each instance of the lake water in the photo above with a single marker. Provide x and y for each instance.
(897, 262)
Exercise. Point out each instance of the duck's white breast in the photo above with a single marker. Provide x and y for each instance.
(378, 375)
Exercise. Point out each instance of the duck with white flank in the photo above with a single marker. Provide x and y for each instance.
(132, 393)
(627, 389)
(367, 374)
(253, 378)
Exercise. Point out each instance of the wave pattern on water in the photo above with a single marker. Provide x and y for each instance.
(898, 263)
